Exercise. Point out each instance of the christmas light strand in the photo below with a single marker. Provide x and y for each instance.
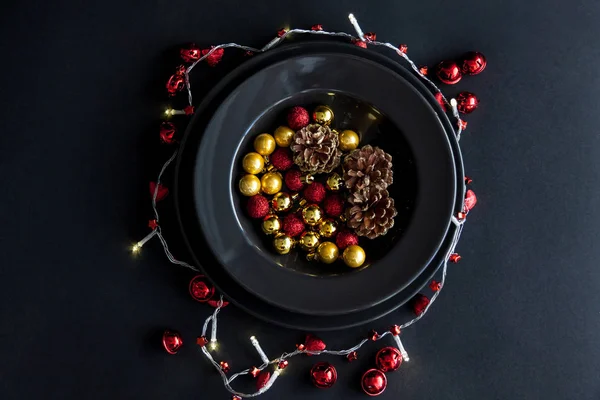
(212, 319)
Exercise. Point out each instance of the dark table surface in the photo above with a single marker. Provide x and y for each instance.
(82, 89)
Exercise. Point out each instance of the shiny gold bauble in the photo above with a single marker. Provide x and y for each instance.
(334, 182)
(264, 144)
(309, 241)
(271, 182)
(323, 115)
(283, 244)
(282, 202)
(271, 224)
(253, 163)
(250, 185)
(327, 252)
(283, 136)
(312, 214)
(349, 140)
(354, 256)
(327, 228)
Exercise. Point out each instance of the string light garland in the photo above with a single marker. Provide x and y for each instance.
(475, 63)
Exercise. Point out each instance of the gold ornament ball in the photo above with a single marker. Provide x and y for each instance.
(334, 182)
(327, 252)
(323, 115)
(312, 215)
(327, 228)
(271, 182)
(354, 256)
(309, 241)
(349, 140)
(271, 224)
(283, 136)
(250, 185)
(283, 244)
(264, 144)
(282, 202)
(253, 163)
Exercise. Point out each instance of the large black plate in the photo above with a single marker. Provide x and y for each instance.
(196, 240)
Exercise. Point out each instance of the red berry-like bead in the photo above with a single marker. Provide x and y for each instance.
(420, 303)
(258, 206)
(282, 159)
(333, 205)
(395, 330)
(224, 366)
(298, 118)
(315, 193)
(282, 364)
(345, 239)
(435, 286)
(352, 356)
(454, 258)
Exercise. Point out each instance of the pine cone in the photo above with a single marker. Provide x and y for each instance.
(368, 167)
(315, 149)
(372, 212)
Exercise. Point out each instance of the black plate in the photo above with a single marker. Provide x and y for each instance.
(211, 266)
(253, 107)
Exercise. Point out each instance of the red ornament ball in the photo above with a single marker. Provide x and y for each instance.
(333, 205)
(282, 159)
(472, 63)
(373, 382)
(440, 99)
(200, 289)
(293, 225)
(167, 132)
(323, 375)
(262, 379)
(176, 82)
(467, 102)
(315, 193)
(191, 53)
(448, 72)
(470, 200)
(345, 239)
(215, 57)
(420, 303)
(258, 206)
(388, 359)
(293, 180)
(171, 341)
(298, 118)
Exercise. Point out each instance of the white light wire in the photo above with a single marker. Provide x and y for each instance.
(213, 318)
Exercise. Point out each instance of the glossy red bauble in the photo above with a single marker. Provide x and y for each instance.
(262, 379)
(176, 82)
(282, 159)
(373, 382)
(171, 341)
(323, 375)
(448, 72)
(200, 289)
(298, 118)
(466, 102)
(293, 225)
(333, 205)
(215, 57)
(472, 63)
(313, 343)
(258, 206)
(388, 359)
(315, 193)
(440, 99)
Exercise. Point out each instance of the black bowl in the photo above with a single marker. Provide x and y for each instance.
(197, 241)
(311, 78)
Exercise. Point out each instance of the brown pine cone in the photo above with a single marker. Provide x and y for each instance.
(368, 167)
(372, 212)
(316, 149)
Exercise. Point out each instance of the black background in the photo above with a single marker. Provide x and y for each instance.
(82, 92)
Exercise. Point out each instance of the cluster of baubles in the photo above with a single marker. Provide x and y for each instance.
(298, 189)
